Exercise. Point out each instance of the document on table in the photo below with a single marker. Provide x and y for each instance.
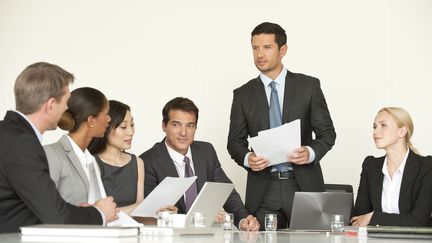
(275, 144)
(168, 192)
(74, 230)
(124, 220)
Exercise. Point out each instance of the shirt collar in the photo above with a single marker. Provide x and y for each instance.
(38, 133)
(84, 156)
(280, 80)
(176, 156)
(401, 167)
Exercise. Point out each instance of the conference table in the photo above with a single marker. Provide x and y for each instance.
(223, 236)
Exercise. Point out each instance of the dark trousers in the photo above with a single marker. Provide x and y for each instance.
(278, 200)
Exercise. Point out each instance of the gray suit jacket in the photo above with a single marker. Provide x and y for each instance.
(27, 193)
(66, 171)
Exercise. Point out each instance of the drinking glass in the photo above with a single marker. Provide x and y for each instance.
(270, 222)
(198, 221)
(228, 221)
(164, 219)
(337, 223)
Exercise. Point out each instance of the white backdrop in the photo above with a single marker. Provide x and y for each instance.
(367, 54)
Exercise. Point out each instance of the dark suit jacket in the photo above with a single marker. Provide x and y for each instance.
(27, 193)
(415, 198)
(158, 165)
(304, 100)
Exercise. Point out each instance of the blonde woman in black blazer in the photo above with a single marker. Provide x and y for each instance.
(412, 206)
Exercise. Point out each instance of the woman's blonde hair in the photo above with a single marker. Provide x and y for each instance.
(403, 119)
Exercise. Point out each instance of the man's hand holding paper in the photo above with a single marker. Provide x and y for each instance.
(299, 156)
(257, 163)
(277, 145)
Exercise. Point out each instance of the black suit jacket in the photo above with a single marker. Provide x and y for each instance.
(27, 193)
(415, 198)
(159, 164)
(304, 100)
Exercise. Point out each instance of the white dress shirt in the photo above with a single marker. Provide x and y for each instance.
(86, 160)
(37, 132)
(280, 87)
(178, 161)
(391, 187)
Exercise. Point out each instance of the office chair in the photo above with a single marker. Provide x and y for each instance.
(338, 188)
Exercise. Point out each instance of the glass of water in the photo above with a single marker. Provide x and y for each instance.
(228, 221)
(198, 221)
(164, 219)
(270, 222)
(337, 223)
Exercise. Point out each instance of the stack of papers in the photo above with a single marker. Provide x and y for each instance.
(78, 233)
(170, 231)
(275, 144)
(78, 230)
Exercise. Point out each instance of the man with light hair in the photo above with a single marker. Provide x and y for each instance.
(27, 193)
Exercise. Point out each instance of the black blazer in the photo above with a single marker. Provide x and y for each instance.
(158, 165)
(304, 100)
(27, 193)
(415, 198)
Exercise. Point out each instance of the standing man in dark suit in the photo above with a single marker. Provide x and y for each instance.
(27, 193)
(178, 155)
(276, 97)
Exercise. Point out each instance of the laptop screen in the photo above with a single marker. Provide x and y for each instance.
(313, 210)
(210, 201)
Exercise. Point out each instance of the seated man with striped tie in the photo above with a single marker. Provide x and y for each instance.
(178, 155)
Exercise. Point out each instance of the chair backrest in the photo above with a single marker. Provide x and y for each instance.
(338, 188)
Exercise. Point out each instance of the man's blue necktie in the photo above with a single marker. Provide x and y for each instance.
(276, 118)
(192, 192)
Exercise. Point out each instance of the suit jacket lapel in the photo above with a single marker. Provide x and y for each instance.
(64, 141)
(290, 90)
(261, 99)
(378, 184)
(199, 166)
(167, 162)
(412, 168)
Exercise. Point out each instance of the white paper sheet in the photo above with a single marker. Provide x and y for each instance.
(168, 192)
(275, 144)
(124, 219)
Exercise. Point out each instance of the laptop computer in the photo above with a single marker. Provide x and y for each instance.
(312, 210)
(209, 201)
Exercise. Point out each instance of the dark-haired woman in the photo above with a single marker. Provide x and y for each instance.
(72, 167)
(122, 173)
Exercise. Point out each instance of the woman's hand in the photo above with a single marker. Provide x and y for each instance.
(170, 208)
(361, 220)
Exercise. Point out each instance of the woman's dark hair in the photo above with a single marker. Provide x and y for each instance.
(83, 102)
(117, 112)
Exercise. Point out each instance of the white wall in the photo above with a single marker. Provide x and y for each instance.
(368, 54)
